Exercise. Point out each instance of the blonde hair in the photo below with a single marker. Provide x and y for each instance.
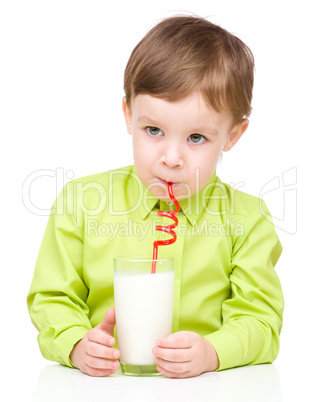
(183, 54)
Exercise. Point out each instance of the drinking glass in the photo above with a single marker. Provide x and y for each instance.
(144, 310)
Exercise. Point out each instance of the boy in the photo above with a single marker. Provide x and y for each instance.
(188, 87)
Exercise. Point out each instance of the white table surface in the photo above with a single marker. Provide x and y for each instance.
(27, 376)
(48, 382)
(258, 383)
(31, 378)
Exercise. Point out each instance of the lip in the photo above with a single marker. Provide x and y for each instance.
(165, 182)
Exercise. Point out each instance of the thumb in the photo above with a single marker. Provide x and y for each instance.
(108, 322)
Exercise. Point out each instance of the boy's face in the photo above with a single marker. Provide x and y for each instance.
(179, 142)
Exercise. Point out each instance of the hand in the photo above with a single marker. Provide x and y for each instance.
(94, 354)
(185, 354)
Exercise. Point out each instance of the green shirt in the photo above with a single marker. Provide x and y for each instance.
(226, 288)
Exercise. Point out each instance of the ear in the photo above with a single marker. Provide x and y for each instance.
(235, 134)
(128, 116)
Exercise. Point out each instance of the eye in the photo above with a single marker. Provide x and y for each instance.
(154, 131)
(197, 138)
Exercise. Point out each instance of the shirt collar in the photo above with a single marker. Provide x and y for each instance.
(191, 207)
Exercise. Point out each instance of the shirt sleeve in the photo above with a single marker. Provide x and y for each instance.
(252, 316)
(56, 300)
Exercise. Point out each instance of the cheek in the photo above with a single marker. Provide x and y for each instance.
(207, 160)
(143, 157)
(137, 148)
(206, 166)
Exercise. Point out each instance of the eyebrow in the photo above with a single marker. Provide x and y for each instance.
(197, 130)
(205, 130)
(147, 119)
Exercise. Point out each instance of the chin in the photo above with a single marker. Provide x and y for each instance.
(179, 194)
(159, 188)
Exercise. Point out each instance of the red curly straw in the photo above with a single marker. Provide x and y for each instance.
(168, 229)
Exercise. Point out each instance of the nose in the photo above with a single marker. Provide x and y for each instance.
(172, 156)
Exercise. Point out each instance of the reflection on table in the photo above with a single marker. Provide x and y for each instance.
(249, 384)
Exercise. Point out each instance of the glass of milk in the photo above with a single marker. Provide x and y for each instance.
(144, 310)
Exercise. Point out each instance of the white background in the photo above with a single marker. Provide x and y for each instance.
(61, 75)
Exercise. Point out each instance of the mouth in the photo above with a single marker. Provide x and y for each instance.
(165, 182)
(179, 188)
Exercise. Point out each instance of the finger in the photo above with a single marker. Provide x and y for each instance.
(99, 363)
(109, 321)
(173, 355)
(95, 372)
(98, 336)
(173, 367)
(97, 350)
(172, 374)
(178, 340)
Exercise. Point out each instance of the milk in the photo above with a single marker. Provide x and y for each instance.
(144, 309)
